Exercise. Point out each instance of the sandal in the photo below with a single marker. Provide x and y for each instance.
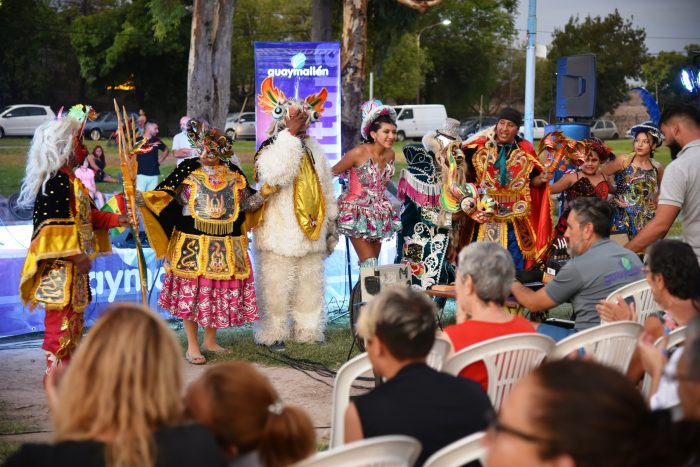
(195, 360)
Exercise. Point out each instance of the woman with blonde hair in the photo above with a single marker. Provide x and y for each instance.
(119, 402)
(253, 426)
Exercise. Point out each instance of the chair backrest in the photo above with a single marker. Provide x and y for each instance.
(438, 354)
(675, 337)
(382, 451)
(355, 367)
(507, 359)
(346, 375)
(644, 302)
(463, 451)
(612, 344)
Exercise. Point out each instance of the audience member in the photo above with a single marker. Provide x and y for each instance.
(98, 163)
(598, 267)
(485, 273)
(680, 190)
(149, 162)
(574, 413)
(119, 402)
(674, 277)
(141, 122)
(436, 408)
(182, 147)
(252, 425)
(688, 372)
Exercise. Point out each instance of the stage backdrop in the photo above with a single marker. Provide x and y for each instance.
(115, 278)
(299, 69)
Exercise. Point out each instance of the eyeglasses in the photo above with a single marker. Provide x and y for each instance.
(496, 426)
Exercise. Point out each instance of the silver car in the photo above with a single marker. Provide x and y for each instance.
(605, 129)
(22, 120)
(241, 125)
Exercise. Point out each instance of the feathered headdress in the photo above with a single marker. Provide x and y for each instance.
(274, 102)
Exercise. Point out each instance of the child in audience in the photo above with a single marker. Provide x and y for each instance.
(253, 426)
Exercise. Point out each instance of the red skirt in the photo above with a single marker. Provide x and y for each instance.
(210, 303)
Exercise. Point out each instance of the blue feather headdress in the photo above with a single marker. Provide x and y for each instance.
(651, 105)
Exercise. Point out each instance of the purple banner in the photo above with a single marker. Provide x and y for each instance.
(300, 69)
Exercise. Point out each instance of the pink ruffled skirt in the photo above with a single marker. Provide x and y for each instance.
(210, 303)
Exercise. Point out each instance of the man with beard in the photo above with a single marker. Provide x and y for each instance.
(599, 266)
(680, 188)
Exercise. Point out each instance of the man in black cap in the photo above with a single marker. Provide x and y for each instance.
(507, 167)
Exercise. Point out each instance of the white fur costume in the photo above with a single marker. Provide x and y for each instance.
(289, 266)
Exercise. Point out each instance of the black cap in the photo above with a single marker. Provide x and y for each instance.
(512, 115)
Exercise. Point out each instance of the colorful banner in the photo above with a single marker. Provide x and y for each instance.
(115, 278)
(300, 69)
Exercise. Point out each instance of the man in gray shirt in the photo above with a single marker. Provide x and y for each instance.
(599, 266)
(680, 187)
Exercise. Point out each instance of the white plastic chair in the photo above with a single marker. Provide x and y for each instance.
(611, 344)
(355, 367)
(675, 337)
(644, 303)
(438, 354)
(382, 451)
(463, 451)
(507, 359)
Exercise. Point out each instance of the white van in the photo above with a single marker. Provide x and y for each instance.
(414, 121)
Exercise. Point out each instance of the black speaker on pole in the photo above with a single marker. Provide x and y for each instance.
(576, 86)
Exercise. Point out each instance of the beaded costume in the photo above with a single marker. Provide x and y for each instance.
(581, 188)
(633, 202)
(363, 210)
(196, 219)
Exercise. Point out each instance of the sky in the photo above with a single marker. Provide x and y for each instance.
(669, 24)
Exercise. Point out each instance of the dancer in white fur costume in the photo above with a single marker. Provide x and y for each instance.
(297, 231)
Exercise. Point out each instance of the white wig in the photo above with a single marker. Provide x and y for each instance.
(51, 149)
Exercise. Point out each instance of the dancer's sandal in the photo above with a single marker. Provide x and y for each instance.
(194, 360)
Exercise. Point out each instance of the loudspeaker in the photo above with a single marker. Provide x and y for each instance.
(374, 279)
(576, 86)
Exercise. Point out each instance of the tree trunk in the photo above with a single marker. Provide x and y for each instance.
(353, 70)
(209, 68)
(321, 28)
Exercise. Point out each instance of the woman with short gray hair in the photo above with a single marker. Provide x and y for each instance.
(484, 277)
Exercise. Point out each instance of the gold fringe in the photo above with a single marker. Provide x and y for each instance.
(219, 228)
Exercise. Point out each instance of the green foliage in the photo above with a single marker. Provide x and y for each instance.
(262, 20)
(35, 51)
(468, 55)
(404, 71)
(619, 49)
(166, 16)
(661, 73)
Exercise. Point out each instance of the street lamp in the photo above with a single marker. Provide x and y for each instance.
(444, 22)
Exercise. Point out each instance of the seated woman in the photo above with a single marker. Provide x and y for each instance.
(579, 414)
(485, 273)
(98, 163)
(436, 408)
(252, 425)
(87, 177)
(119, 402)
(673, 273)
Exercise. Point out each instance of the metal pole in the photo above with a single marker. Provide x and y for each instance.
(371, 85)
(420, 68)
(530, 70)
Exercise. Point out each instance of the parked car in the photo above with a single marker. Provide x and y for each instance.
(241, 125)
(104, 126)
(23, 120)
(472, 125)
(537, 129)
(605, 129)
(413, 121)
